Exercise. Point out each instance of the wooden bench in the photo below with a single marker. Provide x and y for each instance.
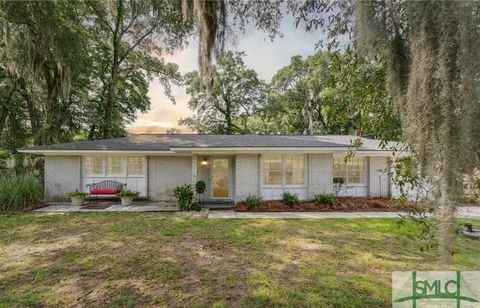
(105, 188)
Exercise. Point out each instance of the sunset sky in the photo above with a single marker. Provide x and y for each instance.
(263, 55)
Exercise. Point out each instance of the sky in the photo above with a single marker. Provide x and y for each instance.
(262, 55)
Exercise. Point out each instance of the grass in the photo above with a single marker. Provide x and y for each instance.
(143, 259)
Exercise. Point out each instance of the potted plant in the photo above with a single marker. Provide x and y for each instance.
(127, 196)
(77, 197)
(200, 187)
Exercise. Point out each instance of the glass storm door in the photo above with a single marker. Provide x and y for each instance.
(220, 178)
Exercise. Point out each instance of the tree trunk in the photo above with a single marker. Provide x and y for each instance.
(308, 113)
(35, 120)
(112, 86)
(91, 132)
(3, 117)
(4, 107)
(446, 216)
(52, 78)
(228, 119)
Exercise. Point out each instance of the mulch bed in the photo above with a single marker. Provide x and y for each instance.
(343, 204)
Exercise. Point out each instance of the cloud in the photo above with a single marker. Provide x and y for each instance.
(262, 54)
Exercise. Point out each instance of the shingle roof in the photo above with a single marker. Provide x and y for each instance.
(165, 142)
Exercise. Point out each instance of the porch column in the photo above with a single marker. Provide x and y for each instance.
(194, 169)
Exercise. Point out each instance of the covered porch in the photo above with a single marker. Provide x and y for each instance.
(218, 173)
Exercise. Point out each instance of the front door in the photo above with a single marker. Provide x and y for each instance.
(220, 178)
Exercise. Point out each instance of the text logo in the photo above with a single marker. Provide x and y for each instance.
(436, 289)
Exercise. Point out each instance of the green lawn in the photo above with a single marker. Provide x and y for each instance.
(128, 259)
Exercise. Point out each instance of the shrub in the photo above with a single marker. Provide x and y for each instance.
(184, 195)
(127, 193)
(200, 186)
(20, 191)
(290, 199)
(326, 199)
(196, 206)
(77, 193)
(253, 201)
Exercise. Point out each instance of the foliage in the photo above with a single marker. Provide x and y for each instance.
(235, 96)
(427, 228)
(325, 199)
(184, 195)
(19, 191)
(338, 183)
(196, 206)
(210, 18)
(290, 199)
(134, 37)
(127, 193)
(200, 185)
(253, 201)
(173, 131)
(331, 93)
(82, 68)
(434, 56)
(77, 193)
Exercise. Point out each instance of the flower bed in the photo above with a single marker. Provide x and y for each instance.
(343, 204)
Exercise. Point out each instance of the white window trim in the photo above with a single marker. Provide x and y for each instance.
(346, 174)
(125, 173)
(96, 175)
(283, 185)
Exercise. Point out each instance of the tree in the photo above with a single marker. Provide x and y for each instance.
(134, 36)
(81, 69)
(331, 93)
(173, 131)
(41, 41)
(434, 54)
(235, 96)
(210, 18)
(432, 59)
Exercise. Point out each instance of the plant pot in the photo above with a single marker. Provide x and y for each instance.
(77, 200)
(200, 191)
(127, 200)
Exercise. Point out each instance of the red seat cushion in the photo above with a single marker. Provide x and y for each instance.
(104, 191)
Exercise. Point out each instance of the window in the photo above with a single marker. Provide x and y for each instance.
(294, 169)
(284, 169)
(115, 165)
(272, 169)
(136, 165)
(353, 171)
(93, 165)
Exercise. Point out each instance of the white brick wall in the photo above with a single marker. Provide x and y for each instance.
(167, 172)
(378, 177)
(247, 175)
(62, 175)
(320, 174)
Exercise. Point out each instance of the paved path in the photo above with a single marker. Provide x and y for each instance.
(150, 207)
(233, 214)
(463, 212)
(472, 212)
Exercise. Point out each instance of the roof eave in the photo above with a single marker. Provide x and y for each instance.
(206, 150)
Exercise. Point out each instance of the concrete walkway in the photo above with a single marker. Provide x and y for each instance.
(233, 214)
(112, 207)
(472, 212)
